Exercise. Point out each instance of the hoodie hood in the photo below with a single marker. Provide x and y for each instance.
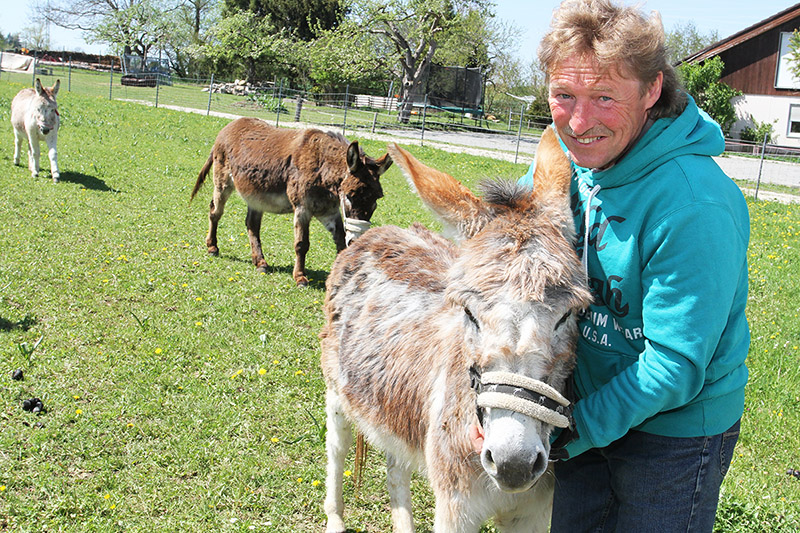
(691, 133)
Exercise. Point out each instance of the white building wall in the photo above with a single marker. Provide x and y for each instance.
(771, 109)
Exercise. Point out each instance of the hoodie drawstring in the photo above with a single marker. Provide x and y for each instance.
(587, 213)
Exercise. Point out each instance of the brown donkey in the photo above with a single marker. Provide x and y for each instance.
(309, 172)
(449, 357)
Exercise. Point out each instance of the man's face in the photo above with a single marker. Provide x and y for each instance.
(598, 113)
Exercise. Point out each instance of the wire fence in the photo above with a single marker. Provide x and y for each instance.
(514, 138)
(350, 111)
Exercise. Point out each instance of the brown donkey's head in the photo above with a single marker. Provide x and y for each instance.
(361, 190)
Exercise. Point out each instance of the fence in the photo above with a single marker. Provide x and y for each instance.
(514, 139)
(350, 111)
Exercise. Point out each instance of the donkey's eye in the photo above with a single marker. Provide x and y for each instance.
(471, 317)
(562, 319)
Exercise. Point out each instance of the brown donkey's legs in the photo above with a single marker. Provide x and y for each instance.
(253, 222)
(301, 243)
(221, 193)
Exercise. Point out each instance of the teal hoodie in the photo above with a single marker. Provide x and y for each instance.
(662, 348)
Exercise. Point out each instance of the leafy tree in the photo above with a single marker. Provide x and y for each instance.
(11, 40)
(249, 45)
(407, 34)
(714, 97)
(685, 39)
(346, 56)
(136, 29)
(136, 26)
(304, 19)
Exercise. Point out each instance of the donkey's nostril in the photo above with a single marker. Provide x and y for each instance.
(45, 131)
(488, 462)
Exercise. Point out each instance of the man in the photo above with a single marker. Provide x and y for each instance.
(663, 234)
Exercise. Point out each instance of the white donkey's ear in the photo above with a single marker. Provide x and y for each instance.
(461, 212)
(38, 87)
(54, 89)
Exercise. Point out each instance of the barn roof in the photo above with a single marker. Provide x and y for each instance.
(745, 35)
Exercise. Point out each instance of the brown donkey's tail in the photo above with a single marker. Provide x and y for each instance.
(202, 177)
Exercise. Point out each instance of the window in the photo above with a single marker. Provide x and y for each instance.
(784, 79)
(794, 121)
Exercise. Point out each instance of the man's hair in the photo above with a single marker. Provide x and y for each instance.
(617, 37)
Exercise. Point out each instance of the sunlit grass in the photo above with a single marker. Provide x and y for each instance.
(183, 392)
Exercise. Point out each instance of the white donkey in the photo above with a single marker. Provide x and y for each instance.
(449, 357)
(34, 115)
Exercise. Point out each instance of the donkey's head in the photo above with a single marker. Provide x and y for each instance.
(44, 107)
(360, 190)
(513, 295)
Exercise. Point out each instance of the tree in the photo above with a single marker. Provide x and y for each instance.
(304, 19)
(684, 40)
(410, 32)
(245, 43)
(131, 26)
(714, 97)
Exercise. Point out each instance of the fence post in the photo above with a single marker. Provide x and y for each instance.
(33, 78)
(278, 107)
(210, 90)
(424, 116)
(346, 97)
(298, 107)
(519, 131)
(111, 78)
(374, 120)
(158, 85)
(761, 163)
(510, 113)
(69, 75)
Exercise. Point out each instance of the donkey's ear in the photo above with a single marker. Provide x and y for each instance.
(354, 157)
(54, 88)
(461, 212)
(383, 164)
(38, 87)
(553, 169)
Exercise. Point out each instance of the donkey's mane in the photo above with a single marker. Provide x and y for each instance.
(337, 137)
(502, 192)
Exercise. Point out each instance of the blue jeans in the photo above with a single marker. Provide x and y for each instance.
(643, 483)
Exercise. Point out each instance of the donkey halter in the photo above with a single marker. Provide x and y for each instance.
(353, 226)
(521, 394)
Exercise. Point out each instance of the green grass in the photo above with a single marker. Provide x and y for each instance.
(183, 392)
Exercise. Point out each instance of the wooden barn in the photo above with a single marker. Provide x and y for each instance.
(757, 63)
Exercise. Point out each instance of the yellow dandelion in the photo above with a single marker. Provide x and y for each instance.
(237, 373)
(76, 397)
(348, 473)
(299, 480)
(113, 506)
(198, 299)
(262, 371)
(2, 488)
(158, 351)
(198, 323)
(299, 373)
(274, 440)
(130, 424)
(315, 483)
(107, 496)
(275, 362)
(78, 411)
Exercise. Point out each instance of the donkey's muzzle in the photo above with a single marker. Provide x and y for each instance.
(514, 472)
(45, 131)
(354, 228)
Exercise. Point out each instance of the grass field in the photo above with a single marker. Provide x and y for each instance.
(183, 392)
